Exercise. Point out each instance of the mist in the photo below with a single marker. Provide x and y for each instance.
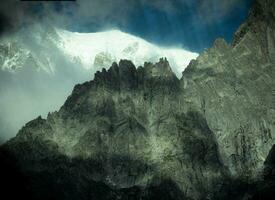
(26, 95)
(44, 81)
(193, 24)
(31, 90)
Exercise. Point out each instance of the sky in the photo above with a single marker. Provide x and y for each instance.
(191, 24)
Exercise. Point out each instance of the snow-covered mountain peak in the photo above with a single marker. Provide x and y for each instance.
(100, 49)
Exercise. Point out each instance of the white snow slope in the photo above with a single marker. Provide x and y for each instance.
(40, 65)
(93, 49)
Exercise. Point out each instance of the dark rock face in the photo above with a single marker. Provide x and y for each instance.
(141, 133)
(234, 86)
(126, 132)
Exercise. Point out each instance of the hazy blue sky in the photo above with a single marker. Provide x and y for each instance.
(193, 24)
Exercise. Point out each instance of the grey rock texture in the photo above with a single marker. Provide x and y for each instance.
(131, 122)
(141, 133)
(103, 59)
(233, 86)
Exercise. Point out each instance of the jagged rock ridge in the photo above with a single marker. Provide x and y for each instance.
(133, 132)
(131, 123)
(234, 86)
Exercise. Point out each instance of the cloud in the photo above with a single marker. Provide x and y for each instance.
(14, 13)
(36, 88)
(211, 11)
(8, 20)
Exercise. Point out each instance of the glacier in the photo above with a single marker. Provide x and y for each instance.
(94, 49)
(39, 65)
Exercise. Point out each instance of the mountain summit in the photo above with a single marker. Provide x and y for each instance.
(142, 133)
(96, 50)
(127, 128)
(46, 62)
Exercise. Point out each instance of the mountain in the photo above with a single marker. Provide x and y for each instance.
(142, 133)
(40, 65)
(30, 47)
(103, 48)
(35, 77)
(234, 87)
(36, 46)
(127, 128)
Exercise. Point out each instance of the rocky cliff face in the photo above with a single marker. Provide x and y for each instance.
(141, 133)
(132, 127)
(233, 85)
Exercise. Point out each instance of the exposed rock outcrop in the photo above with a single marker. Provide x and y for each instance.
(141, 133)
(233, 86)
(130, 129)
